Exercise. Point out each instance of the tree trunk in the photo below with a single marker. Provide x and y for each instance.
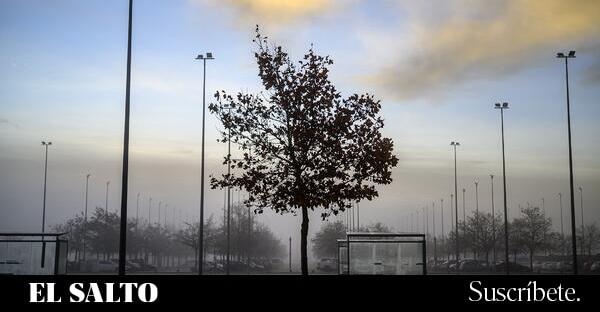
(303, 241)
(531, 259)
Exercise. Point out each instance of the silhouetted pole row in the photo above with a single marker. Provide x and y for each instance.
(209, 56)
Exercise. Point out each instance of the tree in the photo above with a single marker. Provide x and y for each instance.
(325, 241)
(533, 225)
(305, 147)
(189, 237)
(592, 238)
(480, 233)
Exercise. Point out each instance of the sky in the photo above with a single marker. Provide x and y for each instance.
(437, 66)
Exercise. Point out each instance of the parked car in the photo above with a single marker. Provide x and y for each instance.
(595, 268)
(471, 265)
(257, 267)
(512, 267)
(327, 265)
(142, 266)
(101, 266)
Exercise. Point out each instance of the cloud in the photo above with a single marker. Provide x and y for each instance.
(274, 12)
(4, 121)
(462, 40)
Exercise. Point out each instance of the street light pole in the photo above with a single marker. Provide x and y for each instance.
(209, 56)
(106, 200)
(434, 238)
(137, 211)
(451, 212)
(493, 224)
(124, 176)
(358, 215)
(476, 198)
(228, 194)
(582, 224)
(464, 221)
(502, 107)
(87, 179)
(573, 229)
(455, 144)
(46, 145)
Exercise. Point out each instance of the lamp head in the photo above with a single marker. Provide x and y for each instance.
(199, 57)
(560, 55)
(209, 55)
(571, 53)
(504, 105)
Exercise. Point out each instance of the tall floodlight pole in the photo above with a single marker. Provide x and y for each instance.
(290, 255)
(476, 198)
(562, 228)
(46, 145)
(464, 209)
(464, 221)
(228, 194)
(443, 233)
(137, 211)
(124, 181)
(434, 238)
(455, 144)
(159, 206)
(426, 219)
(502, 107)
(358, 215)
(573, 229)
(418, 220)
(493, 224)
(165, 215)
(208, 56)
(87, 180)
(149, 209)
(106, 199)
(451, 212)
(582, 224)
(477, 214)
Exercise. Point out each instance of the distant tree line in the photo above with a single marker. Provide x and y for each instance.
(530, 234)
(169, 245)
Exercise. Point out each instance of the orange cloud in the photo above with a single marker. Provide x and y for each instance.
(485, 38)
(271, 12)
